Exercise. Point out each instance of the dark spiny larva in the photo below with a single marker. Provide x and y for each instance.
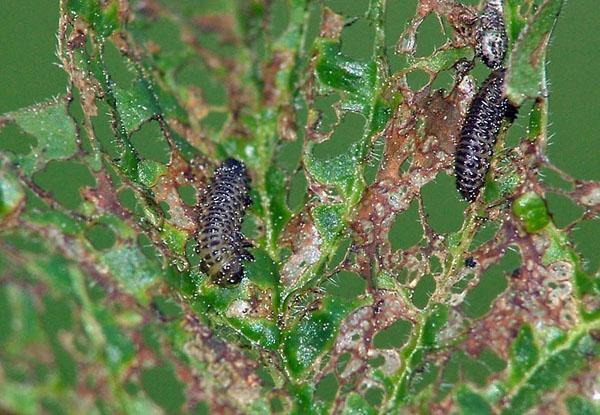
(478, 136)
(221, 245)
(491, 34)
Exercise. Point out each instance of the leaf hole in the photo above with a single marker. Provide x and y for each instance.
(442, 192)
(493, 282)
(63, 180)
(423, 290)
(348, 8)
(187, 193)
(325, 105)
(357, 40)
(394, 336)
(345, 284)
(417, 79)
(374, 159)
(563, 210)
(298, 191)
(117, 65)
(14, 140)
(100, 236)
(374, 396)
(349, 132)
(430, 36)
(150, 143)
(102, 126)
(326, 388)
(406, 230)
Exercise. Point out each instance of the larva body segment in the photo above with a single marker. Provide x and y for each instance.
(221, 245)
(478, 135)
(491, 34)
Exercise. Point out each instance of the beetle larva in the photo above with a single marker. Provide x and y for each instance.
(478, 135)
(491, 34)
(221, 245)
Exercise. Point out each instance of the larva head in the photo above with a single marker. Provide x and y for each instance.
(234, 166)
(231, 273)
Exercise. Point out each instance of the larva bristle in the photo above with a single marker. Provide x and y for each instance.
(478, 136)
(491, 34)
(221, 245)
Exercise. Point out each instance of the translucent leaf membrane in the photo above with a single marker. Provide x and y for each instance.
(374, 288)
